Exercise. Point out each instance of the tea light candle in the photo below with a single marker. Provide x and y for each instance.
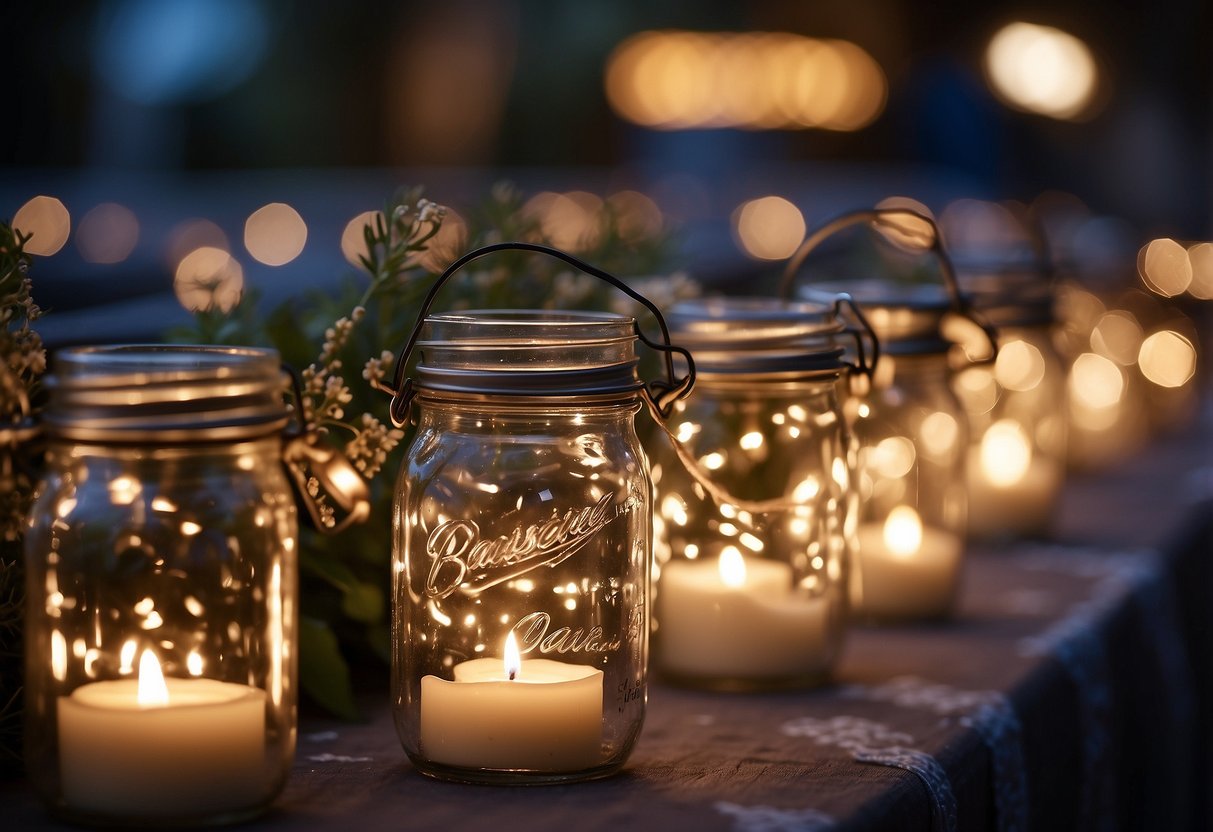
(738, 619)
(905, 570)
(162, 748)
(1011, 489)
(540, 715)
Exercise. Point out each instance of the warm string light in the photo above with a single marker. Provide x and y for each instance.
(676, 80)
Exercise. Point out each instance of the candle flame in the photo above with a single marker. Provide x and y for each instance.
(1006, 453)
(513, 659)
(903, 531)
(152, 689)
(732, 567)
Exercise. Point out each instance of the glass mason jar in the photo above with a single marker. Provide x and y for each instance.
(753, 498)
(521, 547)
(1016, 408)
(161, 585)
(912, 434)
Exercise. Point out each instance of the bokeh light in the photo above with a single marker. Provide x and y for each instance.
(1096, 382)
(675, 80)
(107, 234)
(275, 234)
(1118, 336)
(769, 228)
(208, 278)
(636, 215)
(194, 234)
(48, 220)
(1042, 70)
(1201, 258)
(1168, 359)
(1019, 366)
(353, 238)
(1165, 267)
(567, 220)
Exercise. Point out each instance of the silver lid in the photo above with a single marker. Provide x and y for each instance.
(1009, 292)
(907, 318)
(145, 392)
(743, 337)
(527, 352)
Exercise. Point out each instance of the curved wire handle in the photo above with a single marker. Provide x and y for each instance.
(932, 242)
(663, 394)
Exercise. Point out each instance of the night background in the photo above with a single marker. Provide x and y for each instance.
(191, 109)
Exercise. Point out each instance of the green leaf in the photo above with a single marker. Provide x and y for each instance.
(323, 673)
(363, 602)
(326, 566)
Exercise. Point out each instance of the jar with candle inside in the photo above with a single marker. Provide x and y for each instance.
(161, 586)
(521, 548)
(754, 495)
(1015, 406)
(910, 427)
(913, 437)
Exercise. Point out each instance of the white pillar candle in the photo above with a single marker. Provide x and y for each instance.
(547, 717)
(716, 625)
(904, 569)
(198, 747)
(1024, 505)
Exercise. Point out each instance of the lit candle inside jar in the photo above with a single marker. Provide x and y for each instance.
(162, 748)
(734, 619)
(1011, 489)
(541, 715)
(905, 570)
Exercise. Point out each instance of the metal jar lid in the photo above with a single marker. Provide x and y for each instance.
(1009, 292)
(907, 318)
(734, 339)
(146, 392)
(523, 352)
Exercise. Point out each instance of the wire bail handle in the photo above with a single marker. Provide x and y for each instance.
(909, 226)
(661, 393)
(322, 473)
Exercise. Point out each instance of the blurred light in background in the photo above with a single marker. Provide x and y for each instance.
(1164, 267)
(274, 234)
(1019, 366)
(194, 234)
(981, 225)
(353, 238)
(1168, 359)
(47, 219)
(447, 245)
(1042, 70)
(107, 233)
(449, 75)
(208, 278)
(167, 51)
(1118, 336)
(568, 221)
(1201, 258)
(675, 80)
(769, 228)
(1096, 382)
(636, 216)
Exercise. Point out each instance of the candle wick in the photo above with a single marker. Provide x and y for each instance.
(513, 673)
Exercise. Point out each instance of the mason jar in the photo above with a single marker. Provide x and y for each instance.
(912, 434)
(754, 496)
(161, 588)
(521, 546)
(1016, 407)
